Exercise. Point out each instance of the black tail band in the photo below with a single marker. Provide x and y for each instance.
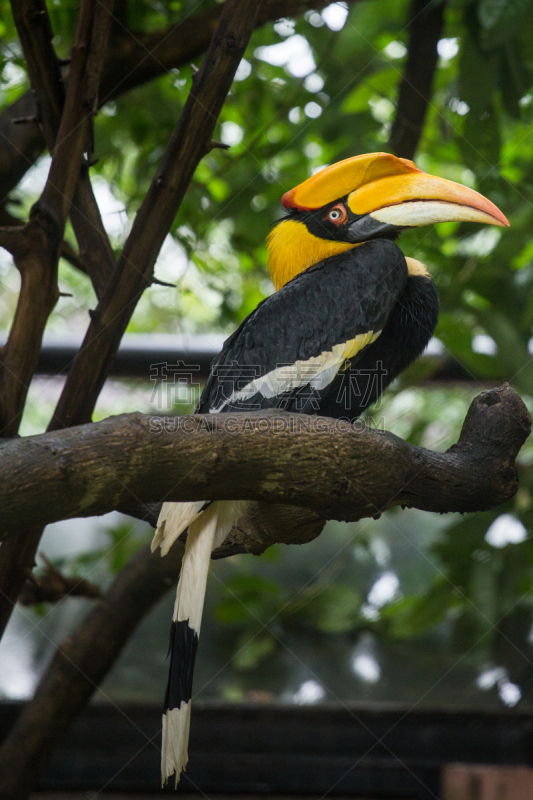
(183, 647)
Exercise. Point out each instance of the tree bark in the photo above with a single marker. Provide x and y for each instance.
(334, 469)
(426, 21)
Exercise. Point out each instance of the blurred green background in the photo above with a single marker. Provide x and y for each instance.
(433, 610)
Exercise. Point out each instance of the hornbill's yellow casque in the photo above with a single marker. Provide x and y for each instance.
(347, 304)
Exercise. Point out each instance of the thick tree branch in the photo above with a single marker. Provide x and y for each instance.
(79, 666)
(329, 467)
(426, 21)
(35, 252)
(187, 146)
(136, 59)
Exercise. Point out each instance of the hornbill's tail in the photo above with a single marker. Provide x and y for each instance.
(207, 530)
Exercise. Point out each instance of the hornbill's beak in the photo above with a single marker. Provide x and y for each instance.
(386, 193)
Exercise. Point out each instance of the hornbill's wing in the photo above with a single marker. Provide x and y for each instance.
(288, 352)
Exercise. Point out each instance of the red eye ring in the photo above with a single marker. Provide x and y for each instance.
(337, 215)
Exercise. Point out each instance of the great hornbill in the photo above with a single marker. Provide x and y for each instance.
(349, 308)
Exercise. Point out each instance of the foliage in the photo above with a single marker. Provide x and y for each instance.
(307, 95)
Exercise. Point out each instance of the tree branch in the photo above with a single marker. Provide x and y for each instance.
(74, 136)
(136, 59)
(35, 254)
(37, 259)
(426, 21)
(51, 586)
(327, 466)
(93, 242)
(35, 33)
(478, 471)
(95, 251)
(187, 146)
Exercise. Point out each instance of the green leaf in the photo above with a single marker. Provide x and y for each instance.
(499, 19)
(334, 610)
(378, 84)
(252, 651)
(514, 78)
(478, 76)
(481, 141)
(413, 616)
(248, 596)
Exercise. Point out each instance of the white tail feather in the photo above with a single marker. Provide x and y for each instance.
(173, 520)
(188, 607)
(195, 567)
(174, 755)
(207, 530)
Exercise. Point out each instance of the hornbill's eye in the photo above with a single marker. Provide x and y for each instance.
(338, 215)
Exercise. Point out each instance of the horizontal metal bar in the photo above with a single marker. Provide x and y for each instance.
(141, 355)
(138, 354)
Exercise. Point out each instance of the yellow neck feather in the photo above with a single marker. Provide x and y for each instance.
(293, 249)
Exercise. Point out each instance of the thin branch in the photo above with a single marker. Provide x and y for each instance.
(51, 586)
(327, 466)
(426, 22)
(93, 241)
(95, 248)
(74, 137)
(189, 143)
(69, 254)
(35, 33)
(13, 239)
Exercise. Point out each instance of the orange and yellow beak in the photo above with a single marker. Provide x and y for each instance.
(393, 192)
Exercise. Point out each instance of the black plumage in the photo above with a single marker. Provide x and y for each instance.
(183, 646)
(327, 305)
(408, 329)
